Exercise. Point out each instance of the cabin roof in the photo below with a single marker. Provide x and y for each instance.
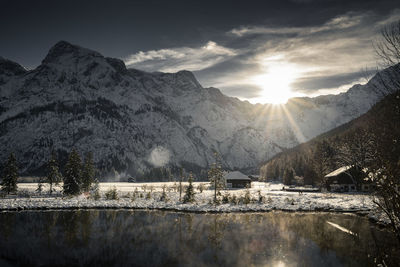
(338, 171)
(236, 175)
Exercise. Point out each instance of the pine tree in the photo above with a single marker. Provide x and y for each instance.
(216, 177)
(164, 196)
(322, 160)
(39, 188)
(95, 190)
(73, 174)
(88, 172)
(189, 195)
(10, 175)
(53, 175)
(288, 176)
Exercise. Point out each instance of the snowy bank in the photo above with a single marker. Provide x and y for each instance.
(148, 196)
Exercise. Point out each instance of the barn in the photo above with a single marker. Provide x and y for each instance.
(236, 179)
(340, 180)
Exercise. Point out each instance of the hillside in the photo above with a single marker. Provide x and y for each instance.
(358, 132)
(134, 121)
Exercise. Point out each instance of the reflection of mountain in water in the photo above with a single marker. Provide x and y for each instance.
(161, 238)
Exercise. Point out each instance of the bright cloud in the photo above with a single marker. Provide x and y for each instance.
(175, 59)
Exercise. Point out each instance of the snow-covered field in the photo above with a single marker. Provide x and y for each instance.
(147, 196)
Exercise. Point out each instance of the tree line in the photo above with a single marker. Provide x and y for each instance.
(78, 175)
(362, 143)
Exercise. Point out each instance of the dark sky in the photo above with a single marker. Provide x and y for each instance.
(227, 44)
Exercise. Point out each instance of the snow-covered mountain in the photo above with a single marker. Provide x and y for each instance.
(134, 120)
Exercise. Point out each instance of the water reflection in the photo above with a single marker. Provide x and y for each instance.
(144, 238)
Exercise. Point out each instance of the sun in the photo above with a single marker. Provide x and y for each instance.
(275, 82)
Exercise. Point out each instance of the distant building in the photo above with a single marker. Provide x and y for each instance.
(298, 180)
(340, 180)
(237, 179)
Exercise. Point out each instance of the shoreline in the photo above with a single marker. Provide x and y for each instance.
(147, 196)
(373, 216)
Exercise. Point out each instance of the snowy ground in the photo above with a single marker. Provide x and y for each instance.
(272, 199)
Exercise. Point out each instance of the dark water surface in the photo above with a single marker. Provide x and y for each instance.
(159, 238)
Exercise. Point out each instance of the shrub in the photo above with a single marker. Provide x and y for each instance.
(261, 198)
(95, 190)
(112, 194)
(216, 201)
(247, 198)
(39, 188)
(234, 200)
(225, 198)
(289, 201)
(200, 187)
(148, 195)
(136, 192)
(164, 196)
(96, 195)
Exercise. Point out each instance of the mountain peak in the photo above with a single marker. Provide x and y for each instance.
(10, 67)
(64, 48)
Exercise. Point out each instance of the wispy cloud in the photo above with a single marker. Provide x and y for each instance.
(337, 23)
(179, 58)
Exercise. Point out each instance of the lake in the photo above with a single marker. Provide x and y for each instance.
(160, 238)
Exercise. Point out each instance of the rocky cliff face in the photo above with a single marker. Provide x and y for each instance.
(134, 121)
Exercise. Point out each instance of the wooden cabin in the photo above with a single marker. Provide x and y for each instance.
(236, 179)
(340, 180)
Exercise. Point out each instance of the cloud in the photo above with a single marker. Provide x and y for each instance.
(179, 58)
(338, 23)
(320, 59)
(310, 83)
(326, 59)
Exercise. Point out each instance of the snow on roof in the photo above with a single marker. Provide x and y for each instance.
(236, 175)
(338, 171)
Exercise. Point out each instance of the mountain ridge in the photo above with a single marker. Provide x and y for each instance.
(79, 98)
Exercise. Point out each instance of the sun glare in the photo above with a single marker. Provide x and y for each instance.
(275, 82)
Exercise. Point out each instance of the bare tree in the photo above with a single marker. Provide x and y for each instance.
(387, 47)
(216, 177)
(385, 169)
(357, 151)
(322, 161)
(385, 128)
(387, 50)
